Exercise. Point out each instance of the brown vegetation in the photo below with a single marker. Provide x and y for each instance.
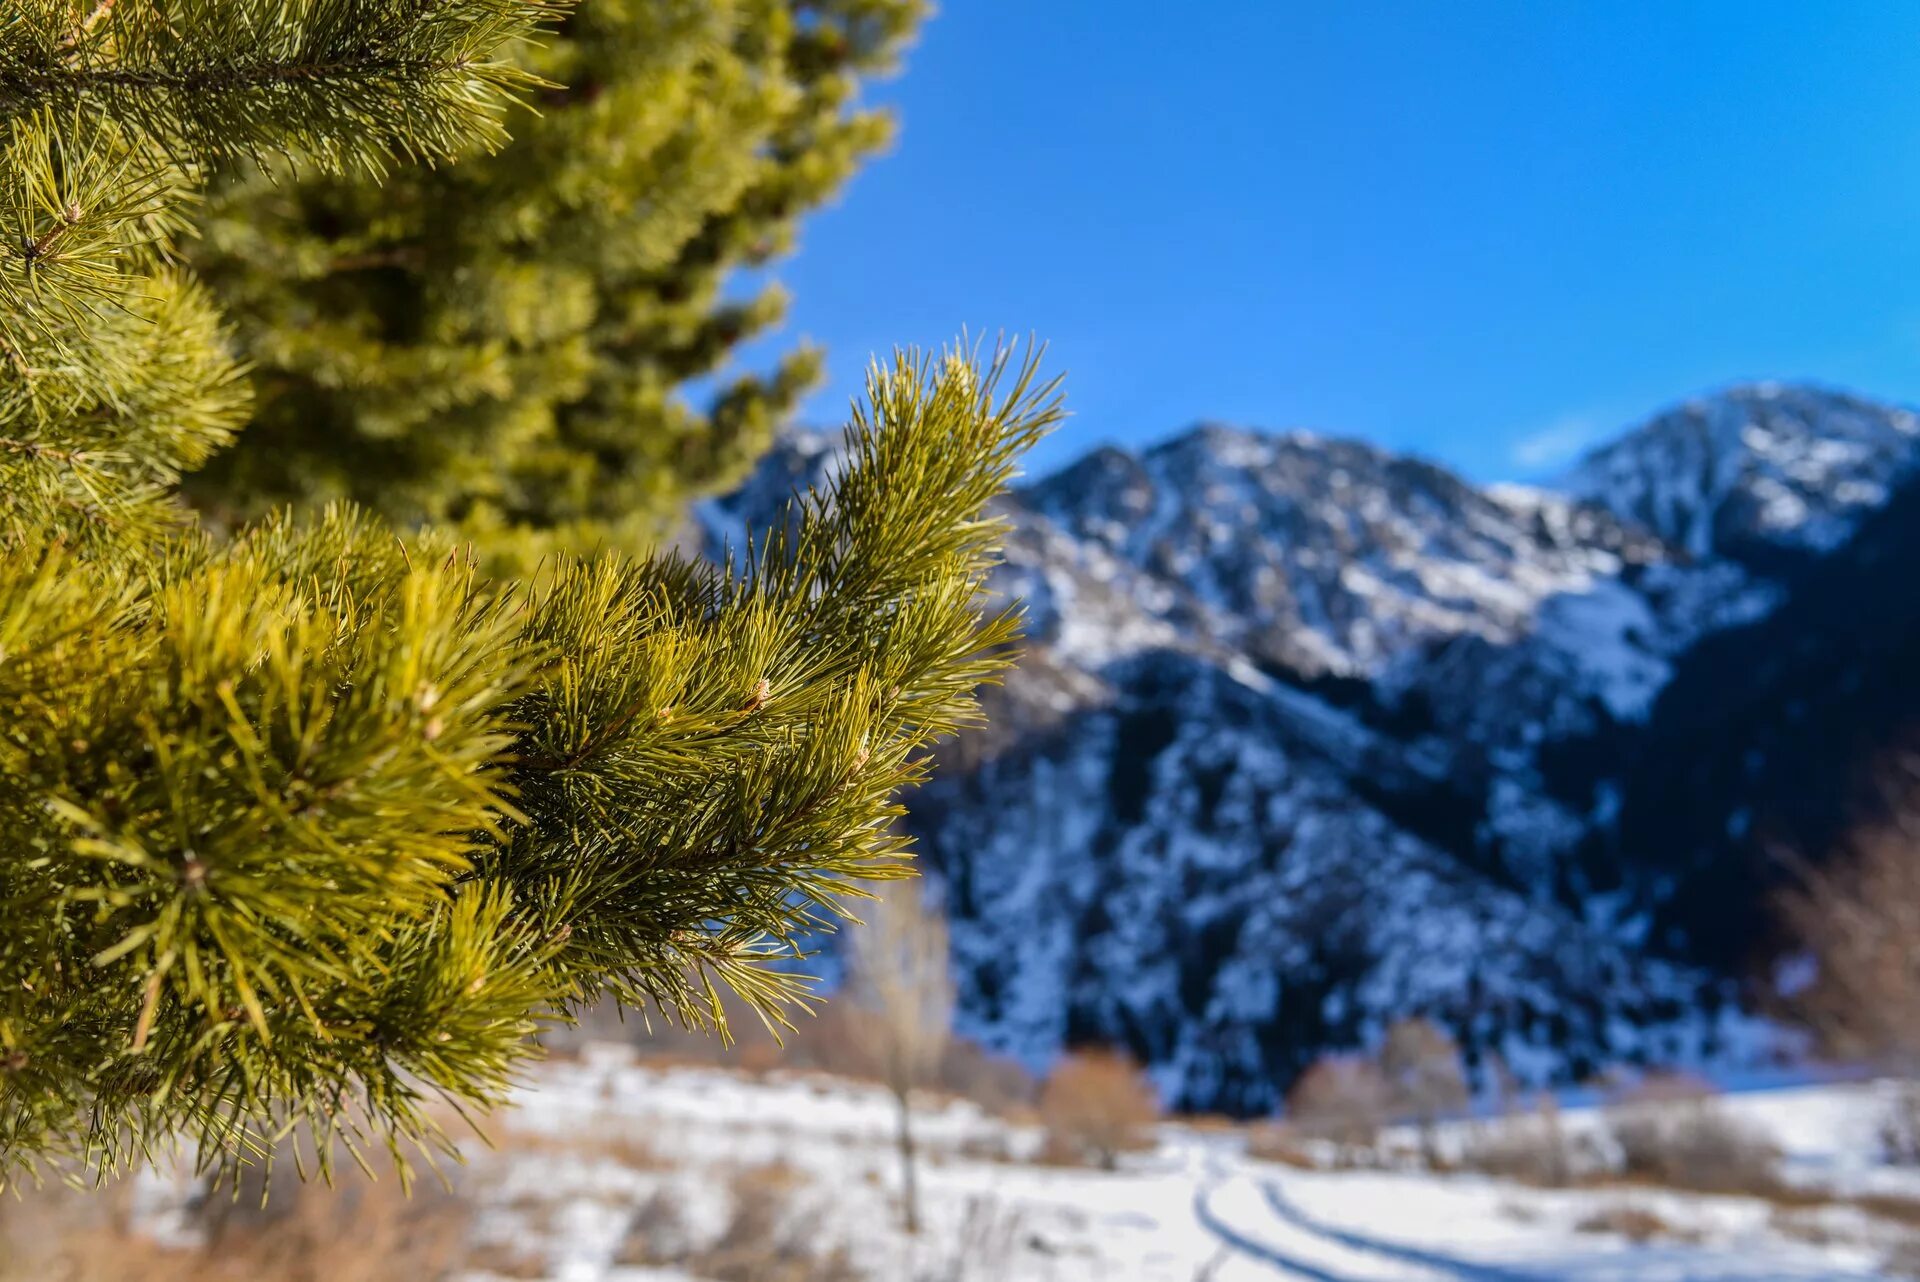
(1343, 1100)
(622, 1144)
(766, 1239)
(1280, 1144)
(1634, 1223)
(1425, 1078)
(1858, 917)
(1530, 1148)
(1096, 1106)
(899, 979)
(360, 1231)
(1671, 1130)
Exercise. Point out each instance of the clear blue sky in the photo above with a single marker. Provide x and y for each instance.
(1484, 232)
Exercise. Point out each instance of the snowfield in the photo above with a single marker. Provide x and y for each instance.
(598, 1144)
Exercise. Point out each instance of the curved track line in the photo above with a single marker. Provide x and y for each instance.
(1203, 1212)
(1465, 1270)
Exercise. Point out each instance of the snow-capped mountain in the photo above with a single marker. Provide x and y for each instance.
(1311, 735)
(1758, 468)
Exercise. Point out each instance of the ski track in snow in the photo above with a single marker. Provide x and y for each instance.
(1293, 1244)
(1463, 1270)
(1256, 1250)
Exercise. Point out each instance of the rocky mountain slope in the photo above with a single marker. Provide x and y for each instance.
(1311, 735)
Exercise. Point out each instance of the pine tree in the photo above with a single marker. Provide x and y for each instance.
(508, 342)
(308, 826)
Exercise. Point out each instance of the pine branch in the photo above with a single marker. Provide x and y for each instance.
(339, 83)
(718, 752)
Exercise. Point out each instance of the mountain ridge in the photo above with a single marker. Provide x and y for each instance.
(1311, 735)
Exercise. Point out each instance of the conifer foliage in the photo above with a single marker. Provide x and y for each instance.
(310, 825)
(508, 342)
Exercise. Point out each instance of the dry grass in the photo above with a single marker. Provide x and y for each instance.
(657, 1233)
(359, 1231)
(991, 1238)
(1802, 1224)
(1892, 1207)
(1519, 1212)
(987, 1146)
(1637, 1224)
(622, 1145)
(1904, 1260)
(767, 1237)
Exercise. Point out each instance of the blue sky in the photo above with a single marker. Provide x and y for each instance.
(1485, 232)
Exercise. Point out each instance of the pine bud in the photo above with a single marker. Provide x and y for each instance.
(762, 691)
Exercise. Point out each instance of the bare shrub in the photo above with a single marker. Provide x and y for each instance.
(1426, 1080)
(991, 1235)
(764, 1241)
(1529, 1148)
(1858, 917)
(1900, 1127)
(1343, 1100)
(766, 1238)
(900, 978)
(656, 1233)
(1670, 1129)
(1634, 1223)
(1280, 1144)
(1096, 1106)
(997, 1084)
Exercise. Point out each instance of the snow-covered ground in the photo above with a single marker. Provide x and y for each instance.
(603, 1142)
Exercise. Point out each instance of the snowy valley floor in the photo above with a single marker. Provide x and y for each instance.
(609, 1164)
(613, 1169)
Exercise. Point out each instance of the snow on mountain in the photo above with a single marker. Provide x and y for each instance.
(1757, 467)
(1227, 888)
(1310, 735)
(1329, 557)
